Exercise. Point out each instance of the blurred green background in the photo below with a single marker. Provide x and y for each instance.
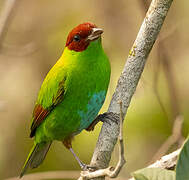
(35, 39)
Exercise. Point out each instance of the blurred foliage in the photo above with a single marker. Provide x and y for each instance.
(183, 162)
(34, 41)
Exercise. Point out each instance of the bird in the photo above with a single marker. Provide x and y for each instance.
(71, 94)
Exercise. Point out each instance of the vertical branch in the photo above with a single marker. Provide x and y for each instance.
(129, 79)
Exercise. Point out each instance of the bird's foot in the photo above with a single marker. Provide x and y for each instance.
(108, 117)
(86, 167)
(100, 117)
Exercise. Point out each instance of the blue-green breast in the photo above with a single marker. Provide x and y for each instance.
(95, 102)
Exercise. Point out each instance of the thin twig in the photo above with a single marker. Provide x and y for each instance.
(122, 160)
(166, 162)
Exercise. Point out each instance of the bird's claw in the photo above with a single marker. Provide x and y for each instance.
(109, 117)
(86, 167)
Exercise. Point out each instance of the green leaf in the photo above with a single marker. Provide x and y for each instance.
(140, 177)
(182, 168)
(154, 174)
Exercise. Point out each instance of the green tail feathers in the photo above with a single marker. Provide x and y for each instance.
(36, 156)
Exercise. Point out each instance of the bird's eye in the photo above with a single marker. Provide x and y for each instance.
(76, 38)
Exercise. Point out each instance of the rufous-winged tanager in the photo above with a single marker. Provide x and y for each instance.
(71, 95)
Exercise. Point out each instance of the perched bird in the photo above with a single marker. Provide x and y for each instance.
(71, 95)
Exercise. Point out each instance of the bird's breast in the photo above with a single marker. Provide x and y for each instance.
(93, 106)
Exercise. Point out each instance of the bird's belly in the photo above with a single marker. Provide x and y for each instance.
(67, 121)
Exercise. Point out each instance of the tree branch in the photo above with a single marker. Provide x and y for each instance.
(128, 80)
(166, 162)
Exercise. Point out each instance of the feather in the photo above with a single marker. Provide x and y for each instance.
(36, 156)
(40, 113)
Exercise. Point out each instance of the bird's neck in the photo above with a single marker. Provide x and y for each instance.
(70, 56)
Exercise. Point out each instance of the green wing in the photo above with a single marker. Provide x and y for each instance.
(51, 93)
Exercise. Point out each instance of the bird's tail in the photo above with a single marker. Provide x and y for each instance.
(36, 156)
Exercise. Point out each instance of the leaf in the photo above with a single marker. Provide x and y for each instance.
(182, 168)
(154, 174)
(140, 177)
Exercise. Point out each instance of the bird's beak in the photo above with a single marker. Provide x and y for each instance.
(95, 34)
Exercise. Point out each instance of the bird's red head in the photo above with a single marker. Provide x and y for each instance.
(80, 37)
